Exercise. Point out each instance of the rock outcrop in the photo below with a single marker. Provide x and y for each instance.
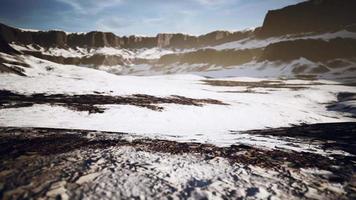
(179, 40)
(310, 16)
(314, 50)
(45, 39)
(5, 47)
(212, 57)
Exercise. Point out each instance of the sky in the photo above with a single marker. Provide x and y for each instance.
(138, 17)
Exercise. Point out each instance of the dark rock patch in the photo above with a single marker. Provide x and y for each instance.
(335, 135)
(259, 84)
(12, 70)
(211, 56)
(314, 50)
(46, 141)
(36, 155)
(92, 102)
(343, 104)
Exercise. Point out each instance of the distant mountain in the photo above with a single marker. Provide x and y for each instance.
(97, 39)
(320, 32)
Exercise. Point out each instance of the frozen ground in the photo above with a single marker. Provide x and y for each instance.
(146, 161)
(272, 103)
(77, 164)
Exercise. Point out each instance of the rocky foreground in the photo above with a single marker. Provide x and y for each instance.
(75, 164)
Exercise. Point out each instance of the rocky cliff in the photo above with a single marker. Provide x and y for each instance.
(187, 41)
(96, 39)
(309, 16)
(306, 17)
(61, 39)
(298, 32)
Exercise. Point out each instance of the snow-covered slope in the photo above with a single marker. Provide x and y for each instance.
(148, 61)
(287, 103)
(251, 43)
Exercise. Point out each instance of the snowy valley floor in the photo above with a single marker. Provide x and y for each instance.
(74, 132)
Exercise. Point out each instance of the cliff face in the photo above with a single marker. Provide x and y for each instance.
(46, 39)
(310, 16)
(104, 39)
(187, 41)
(62, 40)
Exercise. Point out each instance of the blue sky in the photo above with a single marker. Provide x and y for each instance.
(140, 17)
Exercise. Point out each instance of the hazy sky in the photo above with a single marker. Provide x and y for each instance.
(140, 17)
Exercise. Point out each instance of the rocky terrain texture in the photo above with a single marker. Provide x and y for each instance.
(76, 164)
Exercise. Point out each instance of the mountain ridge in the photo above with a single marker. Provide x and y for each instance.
(313, 16)
(55, 38)
(215, 50)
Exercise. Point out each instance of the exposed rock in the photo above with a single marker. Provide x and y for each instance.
(93, 39)
(220, 37)
(45, 39)
(314, 50)
(211, 56)
(164, 40)
(310, 16)
(179, 40)
(138, 42)
(11, 70)
(96, 39)
(92, 102)
(6, 48)
(346, 103)
(44, 163)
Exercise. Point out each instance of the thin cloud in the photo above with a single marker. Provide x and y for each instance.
(214, 2)
(113, 24)
(90, 6)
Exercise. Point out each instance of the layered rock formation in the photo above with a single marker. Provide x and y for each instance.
(314, 50)
(212, 57)
(214, 38)
(97, 39)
